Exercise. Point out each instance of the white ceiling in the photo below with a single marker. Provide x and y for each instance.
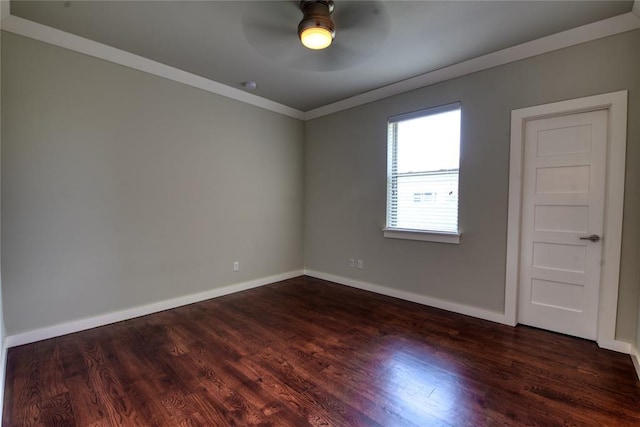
(379, 42)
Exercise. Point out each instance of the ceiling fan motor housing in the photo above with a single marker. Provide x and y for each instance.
(317, 13)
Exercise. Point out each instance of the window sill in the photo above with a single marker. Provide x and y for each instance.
(425, 236)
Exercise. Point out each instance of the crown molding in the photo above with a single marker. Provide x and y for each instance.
(75, 43)
(596, 30)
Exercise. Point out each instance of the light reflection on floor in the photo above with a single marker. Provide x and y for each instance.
(419, 387)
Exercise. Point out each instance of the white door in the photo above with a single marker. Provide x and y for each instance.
(562, 206)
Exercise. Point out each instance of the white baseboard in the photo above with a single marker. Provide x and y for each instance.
(413, 297)
(635, 358)
(130, 313)
(615, 345)
(117, 316)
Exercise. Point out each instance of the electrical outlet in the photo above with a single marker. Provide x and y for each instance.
(236, 266)
(352, 262)
(360, 264)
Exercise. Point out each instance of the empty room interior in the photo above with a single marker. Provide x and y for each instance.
(337, 213)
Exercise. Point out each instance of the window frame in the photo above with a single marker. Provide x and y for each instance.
(413, 234)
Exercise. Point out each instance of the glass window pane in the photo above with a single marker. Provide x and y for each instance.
(429, 143)
(424, 157)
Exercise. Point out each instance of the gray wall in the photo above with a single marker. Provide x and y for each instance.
(346, 178)
(121, 189)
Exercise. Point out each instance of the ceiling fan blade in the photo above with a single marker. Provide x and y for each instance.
(362, 24)
(271, 26)
(335, 57)
(279, 13)
(360, 14)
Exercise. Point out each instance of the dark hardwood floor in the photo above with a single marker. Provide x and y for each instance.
(308, 352)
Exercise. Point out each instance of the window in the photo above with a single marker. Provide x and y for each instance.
(422, 179)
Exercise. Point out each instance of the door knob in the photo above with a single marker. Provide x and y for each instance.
(593, 238)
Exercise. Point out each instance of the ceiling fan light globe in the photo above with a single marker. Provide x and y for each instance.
(316, 38)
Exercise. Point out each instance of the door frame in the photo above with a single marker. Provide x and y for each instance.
(616, 105)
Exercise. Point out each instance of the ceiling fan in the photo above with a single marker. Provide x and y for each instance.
(352, 31)
(316, 30)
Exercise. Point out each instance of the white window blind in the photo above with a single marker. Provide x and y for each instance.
(423, 166)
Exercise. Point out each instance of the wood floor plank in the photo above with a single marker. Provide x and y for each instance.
(57, 411)
(309, 352)
(86, 405)
(24, 376)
